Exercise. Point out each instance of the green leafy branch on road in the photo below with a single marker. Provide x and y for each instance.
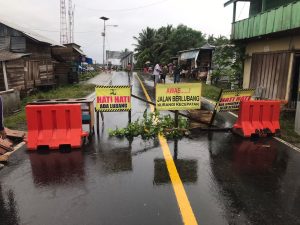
(151, 126)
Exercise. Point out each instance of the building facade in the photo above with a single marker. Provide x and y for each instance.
(271, 36)
(26, 61)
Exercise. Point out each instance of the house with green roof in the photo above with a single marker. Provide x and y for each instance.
(271, 36)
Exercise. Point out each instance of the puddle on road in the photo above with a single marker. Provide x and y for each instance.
(229, 180)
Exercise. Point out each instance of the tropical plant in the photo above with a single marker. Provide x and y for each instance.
(151, 126)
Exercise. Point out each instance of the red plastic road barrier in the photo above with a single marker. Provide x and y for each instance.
(54, 125)
(258, 118)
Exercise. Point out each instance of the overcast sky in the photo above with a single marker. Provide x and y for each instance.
(131, 16)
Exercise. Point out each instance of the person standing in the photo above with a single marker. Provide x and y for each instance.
(156, 73)
(129, 68)
(164, 73)
(176, 73)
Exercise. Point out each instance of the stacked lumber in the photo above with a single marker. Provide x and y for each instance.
(13, 137)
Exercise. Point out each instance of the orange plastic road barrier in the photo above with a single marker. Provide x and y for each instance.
(54, 126)
(258, 118)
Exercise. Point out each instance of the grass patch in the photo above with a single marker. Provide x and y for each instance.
(88, 75)
(287, 125)
(18, 121)
(210, 92)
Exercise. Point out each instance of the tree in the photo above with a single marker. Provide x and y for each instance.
(227, 60)
(183, 38)
(161, 44)
(144, 46)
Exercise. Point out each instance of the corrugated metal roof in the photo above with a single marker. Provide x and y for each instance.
(281, 19)
(78, 50)
(7, 55)
(189, 55)
(126, 55)
(29, 33)
(208, 46)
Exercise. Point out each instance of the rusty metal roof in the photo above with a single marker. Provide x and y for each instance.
(7, 55)
(29, 33)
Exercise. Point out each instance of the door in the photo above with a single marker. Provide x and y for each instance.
(32, 75)
(269, 71)
(295, 83)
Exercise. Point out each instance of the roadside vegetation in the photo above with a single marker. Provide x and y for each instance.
(18, 120)
(151, 125)
(160, 45)
(287, 123)
(88, 75)
(211, 92)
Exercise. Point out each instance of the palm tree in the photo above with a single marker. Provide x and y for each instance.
(144, 46)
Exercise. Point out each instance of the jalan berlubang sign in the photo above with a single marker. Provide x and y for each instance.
(181, 96)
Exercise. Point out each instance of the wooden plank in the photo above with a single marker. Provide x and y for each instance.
(253, 72)
(286, 73)
(271, 75)
(6, 144)
(254, 75)
(272, 84)
(264, 74)
(281, 74)
(14, 133)
(268, 75)
(259, 70)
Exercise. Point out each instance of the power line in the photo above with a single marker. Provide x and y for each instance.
(124, 10)
(57, 31)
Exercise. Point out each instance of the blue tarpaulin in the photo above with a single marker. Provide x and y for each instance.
(89, 60)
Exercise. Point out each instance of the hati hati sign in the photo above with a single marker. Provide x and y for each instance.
(113, 98)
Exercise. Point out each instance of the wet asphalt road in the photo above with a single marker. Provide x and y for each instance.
(228, 180)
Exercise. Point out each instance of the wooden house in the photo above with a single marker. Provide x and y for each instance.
(271, 36)
(68, 58)
(199, 59)
(25, 56)
(126, 59)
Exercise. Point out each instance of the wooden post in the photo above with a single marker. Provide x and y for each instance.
(234, 12)
(129, 112)
(128, 73)
(215, 109)
(97, 121)
(176, 118)
(129, 116)
(5, 75)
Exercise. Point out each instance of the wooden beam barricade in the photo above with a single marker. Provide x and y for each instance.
(173, 111)
(87, 108)
(229, 100)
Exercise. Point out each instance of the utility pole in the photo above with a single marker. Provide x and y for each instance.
(63, 23)
(103, 34)
(71, 21)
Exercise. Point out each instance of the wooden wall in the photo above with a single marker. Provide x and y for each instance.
(15, 75)
(61, 71)
(29, 72)
(270, 71)
(64, 56)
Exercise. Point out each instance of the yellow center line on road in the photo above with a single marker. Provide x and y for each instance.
(186, 210)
